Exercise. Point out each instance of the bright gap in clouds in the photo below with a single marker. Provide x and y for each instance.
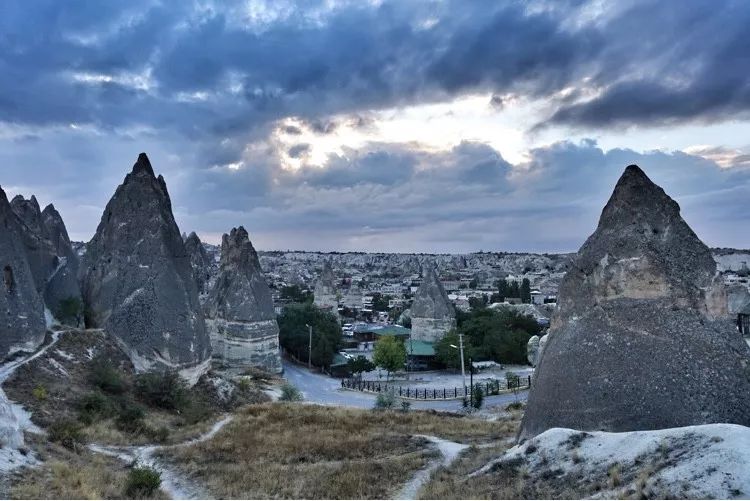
(429, 127)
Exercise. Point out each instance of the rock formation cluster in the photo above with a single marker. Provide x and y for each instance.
(138, 281)
(641, 339)
(23, 324)
(239, 308)
(432, 313)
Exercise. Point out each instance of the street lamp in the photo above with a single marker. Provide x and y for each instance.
(309, 346)
(461, 352)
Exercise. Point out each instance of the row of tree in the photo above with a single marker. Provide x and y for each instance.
(513, 288)
(500, 335)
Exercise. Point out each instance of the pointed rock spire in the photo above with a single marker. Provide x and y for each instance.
(23, 325)
(432, 313)
(199, 260)
(143, 165)
(242, 319)
(640, 339)
(137, 279)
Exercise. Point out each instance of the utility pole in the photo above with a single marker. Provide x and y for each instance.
(471, 375)
(309, 346)
(461, 349)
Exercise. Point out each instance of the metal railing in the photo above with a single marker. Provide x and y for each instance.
(488, 387)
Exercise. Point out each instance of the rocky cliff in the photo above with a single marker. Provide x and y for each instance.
(241, 316)
(51, 259)
(137, 280)
(640, 339)
(22, 327)
(432, 313)
(200, 262)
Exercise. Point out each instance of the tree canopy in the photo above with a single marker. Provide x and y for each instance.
(293, 332)
(390, 354)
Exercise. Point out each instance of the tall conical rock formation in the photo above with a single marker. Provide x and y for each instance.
(326, 294)
(199, 260)
(137, 279)
(22, 326)
(53, 263)
(242, 320)
(432, 313)
(640, 339)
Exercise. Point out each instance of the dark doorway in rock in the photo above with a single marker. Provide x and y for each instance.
(8, 278)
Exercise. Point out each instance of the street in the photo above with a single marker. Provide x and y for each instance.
(321, 389)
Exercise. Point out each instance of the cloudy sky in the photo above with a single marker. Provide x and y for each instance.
(432, 126)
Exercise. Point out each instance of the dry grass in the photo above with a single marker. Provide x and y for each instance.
(69, 475)
(105, 432)
(307, 451)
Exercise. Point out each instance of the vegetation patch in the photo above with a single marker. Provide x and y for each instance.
(285, 450)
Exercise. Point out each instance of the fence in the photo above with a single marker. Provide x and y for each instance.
(489, 387)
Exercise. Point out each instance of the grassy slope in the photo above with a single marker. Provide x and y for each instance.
(308, 451)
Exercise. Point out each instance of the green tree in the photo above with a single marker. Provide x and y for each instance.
(380, 302)
(293, 332)
(296, 294)
(525, 292)
(449, 356)
(359, 365)
(390, 354)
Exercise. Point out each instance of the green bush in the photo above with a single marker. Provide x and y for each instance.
(142, 482)
(158, 435)
(385, 401)
(39, 392)
(130, 418)
(405, 406)
(67, 433)
(69, 309)
(93, 407)
(107, 378)
(194, 411)
(477, 397)
(290, 393)
(166, 390)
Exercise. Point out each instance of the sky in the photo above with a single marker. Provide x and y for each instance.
(396, 126)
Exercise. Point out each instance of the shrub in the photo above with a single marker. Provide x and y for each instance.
(130, 418)
(69, 309)
(158, 435)
(93, 407)
(477, 397)
(290, 393)
(243, 384)
(107, 378)
(142, 482)
(166, 390)
(39, 392)
(405, 406)
(194, 411)
(67, 433)
(385, 401)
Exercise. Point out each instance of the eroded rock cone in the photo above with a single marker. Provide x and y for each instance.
(242, 320)
(326, 294)
(432, 313)
(199, 260)
(640, 339)
(53, 263)
(137, 279)
(22, 327)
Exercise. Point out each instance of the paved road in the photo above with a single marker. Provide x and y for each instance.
(321, 389)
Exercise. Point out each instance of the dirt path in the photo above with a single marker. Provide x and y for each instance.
(14, 419)
(174, 483)
(449, 451)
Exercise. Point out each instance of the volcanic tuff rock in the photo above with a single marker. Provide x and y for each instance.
(326, 294)
(532, 350)
(137, 279)
(640, 339)
(242, 320)
(432, 313)
(199, 260)
(51, 259)
(22, 326)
